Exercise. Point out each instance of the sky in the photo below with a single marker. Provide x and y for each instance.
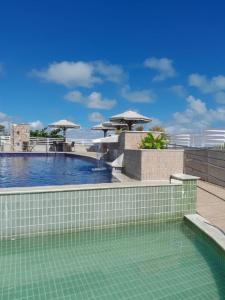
(88, 60)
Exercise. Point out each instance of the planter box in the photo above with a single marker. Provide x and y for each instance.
(146, 164)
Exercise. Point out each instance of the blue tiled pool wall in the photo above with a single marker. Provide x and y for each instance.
(25, 214)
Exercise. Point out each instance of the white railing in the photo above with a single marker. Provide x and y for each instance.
(42, 144)
(44, 141)
(82, 141)
(208, 138)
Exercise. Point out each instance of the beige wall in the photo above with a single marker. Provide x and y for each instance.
(207, 164)
(126, 140)
(153, 164)
(131, 139)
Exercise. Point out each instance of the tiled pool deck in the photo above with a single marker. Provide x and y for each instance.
(211, 203)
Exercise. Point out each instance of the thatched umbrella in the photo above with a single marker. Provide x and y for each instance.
(115, 125)
(64, 125)
(130, 118)
(102, 127)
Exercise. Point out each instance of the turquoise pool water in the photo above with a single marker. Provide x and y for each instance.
(160, 261)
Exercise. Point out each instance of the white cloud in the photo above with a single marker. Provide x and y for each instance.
(79, 73)
(220, 97)
(138, 96)
(84, 133)
(69, 74)
(4, 117)
(96, 117)
(179, 90)
(154, 122)
(36, 125)
(196, 117)
(163, 66)
(5, 120)
(93, 100)
(207, 85)
(113, 73)
(196, 106)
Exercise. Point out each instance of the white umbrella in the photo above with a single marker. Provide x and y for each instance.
(130, 118)
(115, 125)
(102, 127)
(64, 125)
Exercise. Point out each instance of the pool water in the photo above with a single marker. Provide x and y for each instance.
(160, 261)
(22, 170)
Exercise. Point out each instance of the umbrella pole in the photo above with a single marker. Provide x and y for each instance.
(105, 132)
(129, 125)
(64, 134)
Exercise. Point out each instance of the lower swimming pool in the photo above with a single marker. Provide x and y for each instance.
(31, 169)
(148, 261)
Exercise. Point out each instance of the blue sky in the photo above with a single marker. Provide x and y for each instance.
(88, 60)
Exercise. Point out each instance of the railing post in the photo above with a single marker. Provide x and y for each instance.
(47, 145)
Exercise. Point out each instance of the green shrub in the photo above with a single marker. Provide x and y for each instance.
(152, 142)
(44, 134)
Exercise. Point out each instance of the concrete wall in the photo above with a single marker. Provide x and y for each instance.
(153, 164)
(30, 212)
(207, 164)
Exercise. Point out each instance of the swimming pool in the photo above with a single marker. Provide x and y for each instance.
(147, 261)
(22, 170)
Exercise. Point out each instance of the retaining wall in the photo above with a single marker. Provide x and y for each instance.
(50, 210)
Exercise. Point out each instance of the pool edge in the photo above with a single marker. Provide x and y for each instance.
(216, 234)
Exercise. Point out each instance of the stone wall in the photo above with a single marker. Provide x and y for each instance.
(20, 134)
(207, 164)
(153, 164)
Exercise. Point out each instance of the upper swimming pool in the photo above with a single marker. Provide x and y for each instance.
(23, 170)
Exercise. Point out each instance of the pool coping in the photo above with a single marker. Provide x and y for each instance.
(80, 187)
(213, 232)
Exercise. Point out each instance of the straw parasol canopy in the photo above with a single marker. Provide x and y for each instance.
(102, 127)
(130, 118)
(64, 125)
(115, 125)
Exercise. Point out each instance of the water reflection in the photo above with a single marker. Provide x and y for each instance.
(38, 170)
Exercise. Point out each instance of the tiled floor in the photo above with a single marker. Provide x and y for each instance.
(211, 203)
